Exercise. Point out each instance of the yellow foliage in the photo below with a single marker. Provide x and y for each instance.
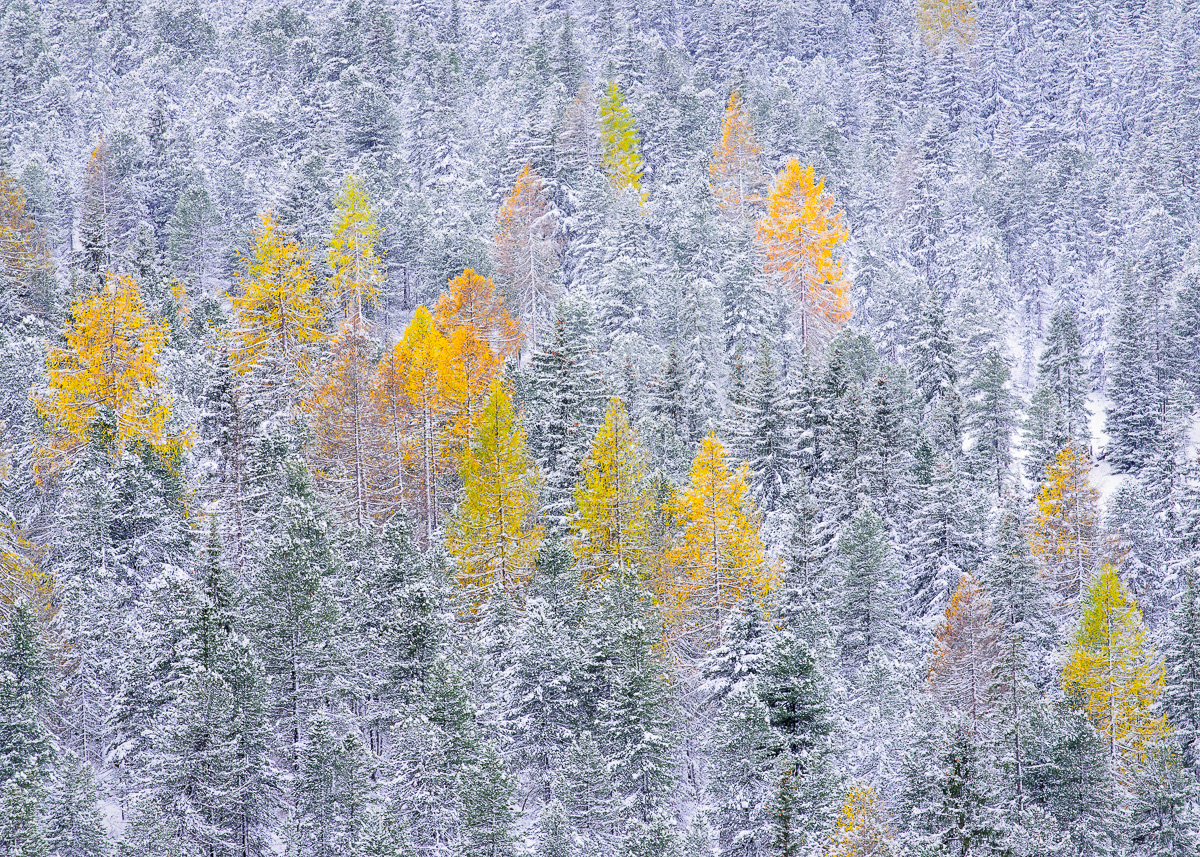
(612, 526)
(105, 378)
(23, 253)
(1064, 533)
(20, 577)
(965, 652)
(942, 20)
(802, 236)
(718, 559)
(1113, 670)
(419, 364)
(278, 311)
(357, 270)
(622, 147)
(738, 178)
(492, 534)
(861, 829)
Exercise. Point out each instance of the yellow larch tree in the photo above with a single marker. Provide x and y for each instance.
(420, 359)
(620, 143)
(612, 526)
(104, 380)
(947, 23)
(24, 258)
(1065, 532)
(353, 257)
(493, 534)
(1113, 670)
(479, 332)
(278, 311)
(350, 454)
(524, 252)
(966, 651)
(718, 559)
(862, 828)
(736, 169)
(802, 236)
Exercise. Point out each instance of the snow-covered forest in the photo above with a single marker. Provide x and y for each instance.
(573, 428)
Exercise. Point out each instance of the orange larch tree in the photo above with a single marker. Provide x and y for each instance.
(802, 235)
(524, 252)
(966, 651)
(738, 178)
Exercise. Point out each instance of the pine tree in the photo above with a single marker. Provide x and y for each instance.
(26, 752)
(1181, 694)
(1137, 420)
(992, 418)
(73, 823)
(802, 236)
(866, 608)
(1058, 413)
(492, 534)
(765, 443)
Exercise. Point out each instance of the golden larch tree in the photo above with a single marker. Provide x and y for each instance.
(480, 333)
(1113, 670)
(350, 455)
(1065, 532)
(493, 534)
(421, 361)
(966, 651)
(278, 311)
(24, 258)
(105, 377)
(802, 236)
(947, 23)
(389, 396)
(736, 169)
(862, 828)
(353, 256)
(718, 560)
(524, 252)
(613, 525)
(620, 143)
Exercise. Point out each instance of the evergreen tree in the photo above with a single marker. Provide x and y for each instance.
(26, 752)
(1058, 411)
(866, 605)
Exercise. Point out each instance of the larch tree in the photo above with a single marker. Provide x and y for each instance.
(966, 651)
(620, 143)
(103, 383)
(1065, 532)
(24, 258)
(1116, 675)
(389, 397)
(802, 236)
(947, 23)
(493, 535)
(524, 252)
(353, 257)
(862, 828)
(480, 333)
(278, 311)
(718, 561)
(420, 358)
(350, 450)
(612, 525)
(736, 170)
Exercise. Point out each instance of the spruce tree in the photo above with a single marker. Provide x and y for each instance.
(1058, 412)
(26, 752)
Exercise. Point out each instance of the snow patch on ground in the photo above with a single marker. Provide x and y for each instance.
(114, 818)
(1102, 477)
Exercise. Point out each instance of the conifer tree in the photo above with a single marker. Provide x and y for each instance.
(966, 653)
(862, 827)
(992, 418)
(718, 561)
(492, 534)
(1181, 694)
(866, 607)
(621, 145)
(357, 268)
(802, 236)
(738, 178)
(765, 442)
(1064, 531)
(611, 525)
(1115, 672)
(26, 752)
(525, 253)
(1058, 413)
(104, 382)
(278, 311)
(24, 258)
